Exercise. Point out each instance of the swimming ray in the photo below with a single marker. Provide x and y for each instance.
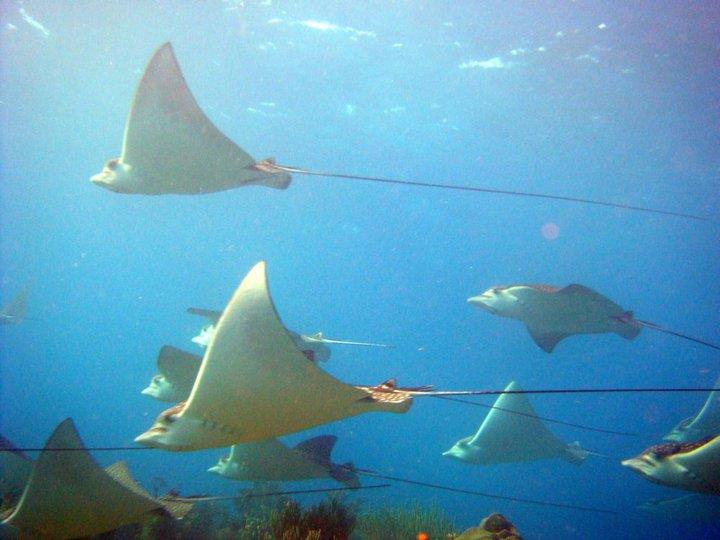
(271, 460)
(510, 438)
(171, 146)
(705, 423)
(693, 466)
(68, 495)
(14, 311)
(255, 383)
(552, 314)
(314, 345)
(177, 372)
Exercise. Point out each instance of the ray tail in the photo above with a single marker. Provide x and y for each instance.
(543, 418)
(456, 187)
(483, 494)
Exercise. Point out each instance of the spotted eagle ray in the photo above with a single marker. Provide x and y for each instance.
(171, 146)
(254, 383)
(68, 495)
(271, 460)
(313, 345)
(177, 372)
(705, 423)
(510, 438)
(14, 311)
(552, 314)
(693, 466)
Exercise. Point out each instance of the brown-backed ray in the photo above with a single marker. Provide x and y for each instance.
(177, 372)
(170, 146)
(551, 314)
(314, 345)
(68, 495)
(271, 460)
(14, 311)
(255, 383)
(505, 437)
(691, 466)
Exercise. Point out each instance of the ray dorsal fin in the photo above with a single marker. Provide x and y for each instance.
(318, 449)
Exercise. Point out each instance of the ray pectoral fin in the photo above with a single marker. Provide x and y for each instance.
(547, 341)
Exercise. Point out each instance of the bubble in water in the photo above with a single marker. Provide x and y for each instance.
(550, 231)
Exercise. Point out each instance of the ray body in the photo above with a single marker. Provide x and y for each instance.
(15, 469)
(551, 314)
(255, 383)
(688, 466)
(695, 507)
(14, 311)
(271, 460)
(505, 437)
(705, 423)
(68, 495)
(177, 372)
(170, 146)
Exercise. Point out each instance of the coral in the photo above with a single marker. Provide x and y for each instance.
(402, 523)
(331, 519)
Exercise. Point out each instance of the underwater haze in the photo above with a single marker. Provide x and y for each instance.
(613, 101)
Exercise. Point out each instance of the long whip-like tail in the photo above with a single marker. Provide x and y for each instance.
(375, 474)
(628, 318)
(543, 418)
(269, 166)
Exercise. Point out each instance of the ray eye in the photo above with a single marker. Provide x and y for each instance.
(112, 164)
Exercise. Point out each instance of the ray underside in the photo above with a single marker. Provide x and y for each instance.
(255, 380)
(506, 437)
(271, 460)
(173, 146)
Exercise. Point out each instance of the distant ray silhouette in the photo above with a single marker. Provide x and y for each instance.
(171, 146)
(14, 311)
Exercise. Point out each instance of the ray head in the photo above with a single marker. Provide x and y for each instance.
(496, 300)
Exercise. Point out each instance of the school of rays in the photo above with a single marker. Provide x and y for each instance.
(258, 381)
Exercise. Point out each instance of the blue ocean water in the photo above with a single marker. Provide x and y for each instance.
(601, 100)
